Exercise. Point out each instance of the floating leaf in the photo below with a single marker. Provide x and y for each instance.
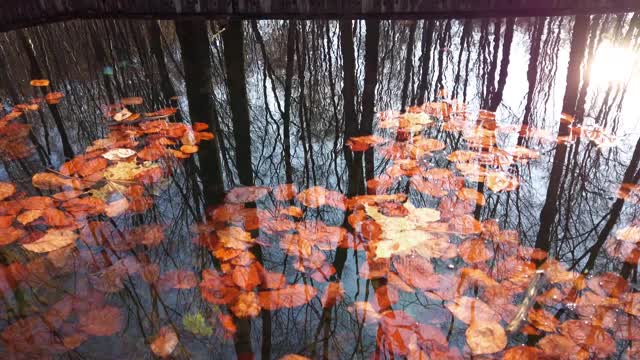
(6, 190)
(39, 82)
(246, 194)
(246, 305)
(291, 296)
(54, 239)
(196, 324)
(104, 321)
(178, 279)
(469, 310)
(165, 342)
(118, 154)
(485, 337)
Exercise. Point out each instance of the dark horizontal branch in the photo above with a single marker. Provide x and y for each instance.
(23, 13)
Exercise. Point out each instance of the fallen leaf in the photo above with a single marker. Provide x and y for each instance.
(485, 337)
(246, 194)
(178, 279)
(104, 321)
(290, 296)
(54, 239)
(165, 342)
(469, 310)
(6, 190)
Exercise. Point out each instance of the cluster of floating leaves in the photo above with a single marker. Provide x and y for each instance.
(73, 230)
(503, 289)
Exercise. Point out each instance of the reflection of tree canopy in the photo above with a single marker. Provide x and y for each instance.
(291, 123)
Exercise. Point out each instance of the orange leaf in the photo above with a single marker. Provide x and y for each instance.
(131, 101)
(9, 235)
(165, 342)
(317, 196)
(152, 152)
(57, 218)
(246, 305)
(189, 149)
(39, 82)
(53, 98)
(291, 296)
(543, 320)
(6, 190)
(29, 216)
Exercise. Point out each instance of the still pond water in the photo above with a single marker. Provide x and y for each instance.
(321, 189)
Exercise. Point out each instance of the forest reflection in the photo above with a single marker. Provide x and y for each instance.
(333, 189)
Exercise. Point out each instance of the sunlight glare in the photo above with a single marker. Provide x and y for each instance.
(613, 65)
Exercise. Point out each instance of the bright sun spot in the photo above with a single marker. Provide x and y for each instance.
(612, 65)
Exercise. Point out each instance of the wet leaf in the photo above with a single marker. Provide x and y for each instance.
(104, 321)
(485, 337)
(290, 296)
(315, 197)
(54, 239)
(469, 310)
(474, 251)
(39, 82)
(246, 305)
(196, 324)
(178, 279)
(543, 320)
(246, 194)
(333, 294)
(165, 342)
(6, 190)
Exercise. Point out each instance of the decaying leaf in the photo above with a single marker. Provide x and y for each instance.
(54, 239)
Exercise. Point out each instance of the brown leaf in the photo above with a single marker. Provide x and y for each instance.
(104, 321)
(246, 194)
(57, 218)
(165, 342)
(591, 337)
(485, 337)
(474, 251)
(178, 279)
(469, 310)
(54, 239)
(543, 320)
